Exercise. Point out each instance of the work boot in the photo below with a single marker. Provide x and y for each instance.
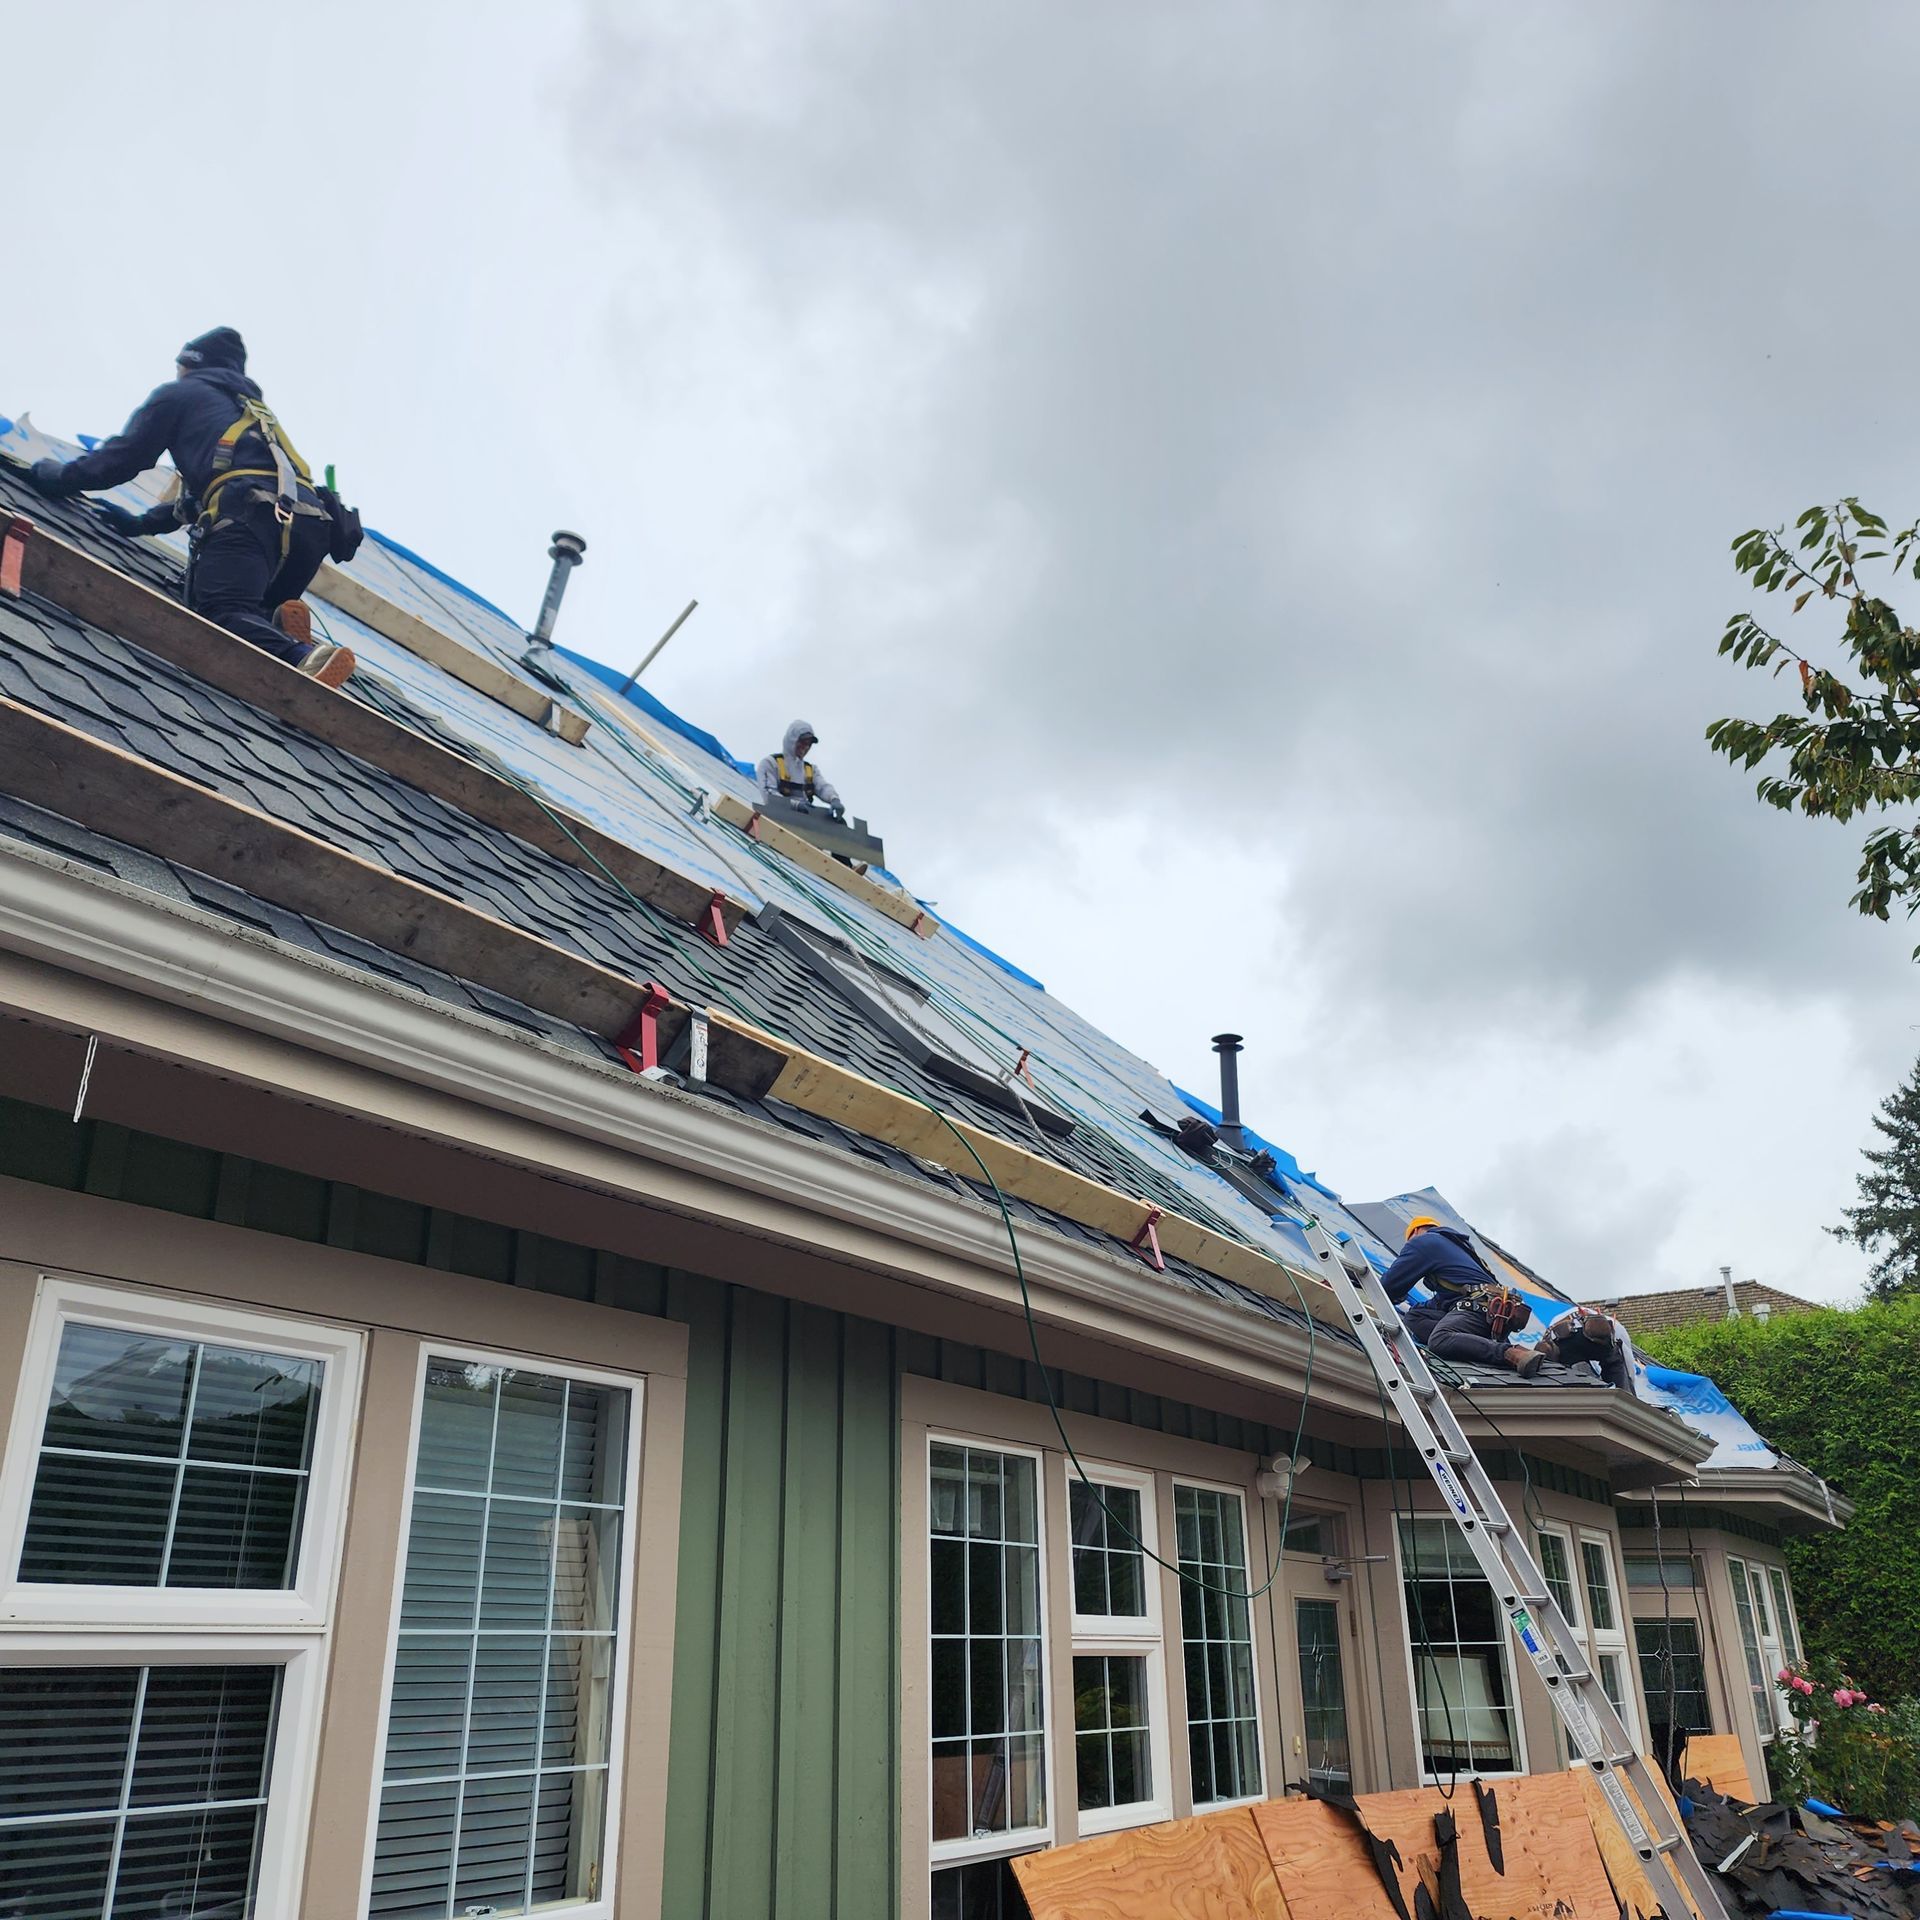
(1525, 1361)
(332, 666)
(294, 618)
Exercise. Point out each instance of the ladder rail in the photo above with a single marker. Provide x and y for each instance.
(1595, 1730)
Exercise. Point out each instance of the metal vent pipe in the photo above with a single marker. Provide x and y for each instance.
(566, 553)
(1227, 1046)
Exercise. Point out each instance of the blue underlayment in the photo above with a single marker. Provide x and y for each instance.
(1289, 1167)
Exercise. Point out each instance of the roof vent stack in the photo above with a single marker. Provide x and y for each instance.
(566, 553)
(1227, 1046)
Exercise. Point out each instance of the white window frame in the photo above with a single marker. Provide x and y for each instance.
(308, 1601)
(1614, 1640)
(1576, 1573)
(94, 1626)
(1773, 1651)
(1780, 1590)
(602, 1906)
(1176, 1632)
(1127, 1636)
(1739, 1571)
(999, 1846)
(1428, 1778)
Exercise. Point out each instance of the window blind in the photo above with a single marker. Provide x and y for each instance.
(494, 1783)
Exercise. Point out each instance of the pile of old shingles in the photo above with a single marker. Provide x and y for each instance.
(1779, 1859)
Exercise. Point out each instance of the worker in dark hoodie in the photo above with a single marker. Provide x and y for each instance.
(259, 526)
(1463, 1319)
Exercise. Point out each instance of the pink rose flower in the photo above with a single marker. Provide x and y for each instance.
(1785, 1676)
(1842, 1697)
(1803, 1686)
(1874, 1706)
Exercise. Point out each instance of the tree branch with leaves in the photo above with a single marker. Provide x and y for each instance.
(1854, 747)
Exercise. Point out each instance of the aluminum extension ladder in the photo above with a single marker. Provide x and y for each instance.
(1594, 1729)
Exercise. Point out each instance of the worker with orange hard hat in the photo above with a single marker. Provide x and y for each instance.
(1467, 1313)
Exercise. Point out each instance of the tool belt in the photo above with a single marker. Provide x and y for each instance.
(1503, 1308)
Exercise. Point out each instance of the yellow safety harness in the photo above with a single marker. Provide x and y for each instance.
(793, 786)
(286, 473)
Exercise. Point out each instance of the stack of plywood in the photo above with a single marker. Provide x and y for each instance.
(1298, 1859)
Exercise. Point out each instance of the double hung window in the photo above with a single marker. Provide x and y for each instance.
(170, 1519)
(1216, 1631)
(502, 1739)
(988, 1668)
(1607, 1630)
(1759, 1675)
(1119, 1723)
(1463, 1680)
(1774, 1642)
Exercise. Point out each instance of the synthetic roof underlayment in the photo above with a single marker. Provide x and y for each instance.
(649, 780)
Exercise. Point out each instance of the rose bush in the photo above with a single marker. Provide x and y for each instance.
(1854, 1751)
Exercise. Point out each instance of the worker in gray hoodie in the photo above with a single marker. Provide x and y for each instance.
(790, 778)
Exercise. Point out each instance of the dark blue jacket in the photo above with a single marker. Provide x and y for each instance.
(184, 418)
(1442, 1260)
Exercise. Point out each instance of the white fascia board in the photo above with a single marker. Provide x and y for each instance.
(81, 921)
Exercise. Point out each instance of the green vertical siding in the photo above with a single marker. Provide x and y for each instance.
(783, 1779)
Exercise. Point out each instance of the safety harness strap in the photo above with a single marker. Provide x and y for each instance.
(793, 786)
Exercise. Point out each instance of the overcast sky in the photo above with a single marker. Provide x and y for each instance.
(1243, 492)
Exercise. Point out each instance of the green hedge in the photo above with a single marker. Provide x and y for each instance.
(1839, 1391)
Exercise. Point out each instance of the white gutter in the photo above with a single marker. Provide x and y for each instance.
(79, 920)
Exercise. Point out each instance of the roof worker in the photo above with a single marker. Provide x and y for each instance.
(1587, 1333)
(789, 776)
(1463, 1320)
(259, 526)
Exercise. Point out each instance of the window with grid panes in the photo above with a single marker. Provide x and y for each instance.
(988, 1676)
(1759, 1683)
(1599, 1577)
(1462, 1681)
(175, 1469)
(1783, 1619)
(1555, 1565)
(503, 1710)
(1118, 1659)
(1673, 1675)
(1216, 1633)
(1606, 1630)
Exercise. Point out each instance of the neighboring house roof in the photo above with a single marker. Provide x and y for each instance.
(1685, 1306)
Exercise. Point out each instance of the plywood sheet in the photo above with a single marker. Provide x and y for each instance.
(1210, 1868)
(1553, 1867)
(1623, 1866)
(1716, 1760)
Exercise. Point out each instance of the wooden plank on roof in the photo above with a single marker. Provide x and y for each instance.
(823, 866)
(68, 772)
(466, 664)
(770, 1067)
(110, 600)
(1211, 1867)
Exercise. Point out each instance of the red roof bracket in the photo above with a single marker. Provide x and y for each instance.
(643, 1030)
(1146, 1242)
(713, 920)
(752, 828)
(14, 535)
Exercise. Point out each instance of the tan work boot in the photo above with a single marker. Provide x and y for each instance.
(332, 666)
(294, 618)
(1525, 1361)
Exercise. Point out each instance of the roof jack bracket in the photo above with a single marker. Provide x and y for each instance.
(643, 1031)
(1022, 1069)
(1146, 1242)
(14, 535)
(698, 1030)
(713, 919)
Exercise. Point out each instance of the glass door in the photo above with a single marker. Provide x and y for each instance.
(1323, 1748)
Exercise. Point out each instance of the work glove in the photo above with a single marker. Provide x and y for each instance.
(118, 518)
(839, 810)
(44, 476)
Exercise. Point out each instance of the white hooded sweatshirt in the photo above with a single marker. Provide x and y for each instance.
(769, 771)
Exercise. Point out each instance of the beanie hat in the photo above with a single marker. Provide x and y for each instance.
(221, 347)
